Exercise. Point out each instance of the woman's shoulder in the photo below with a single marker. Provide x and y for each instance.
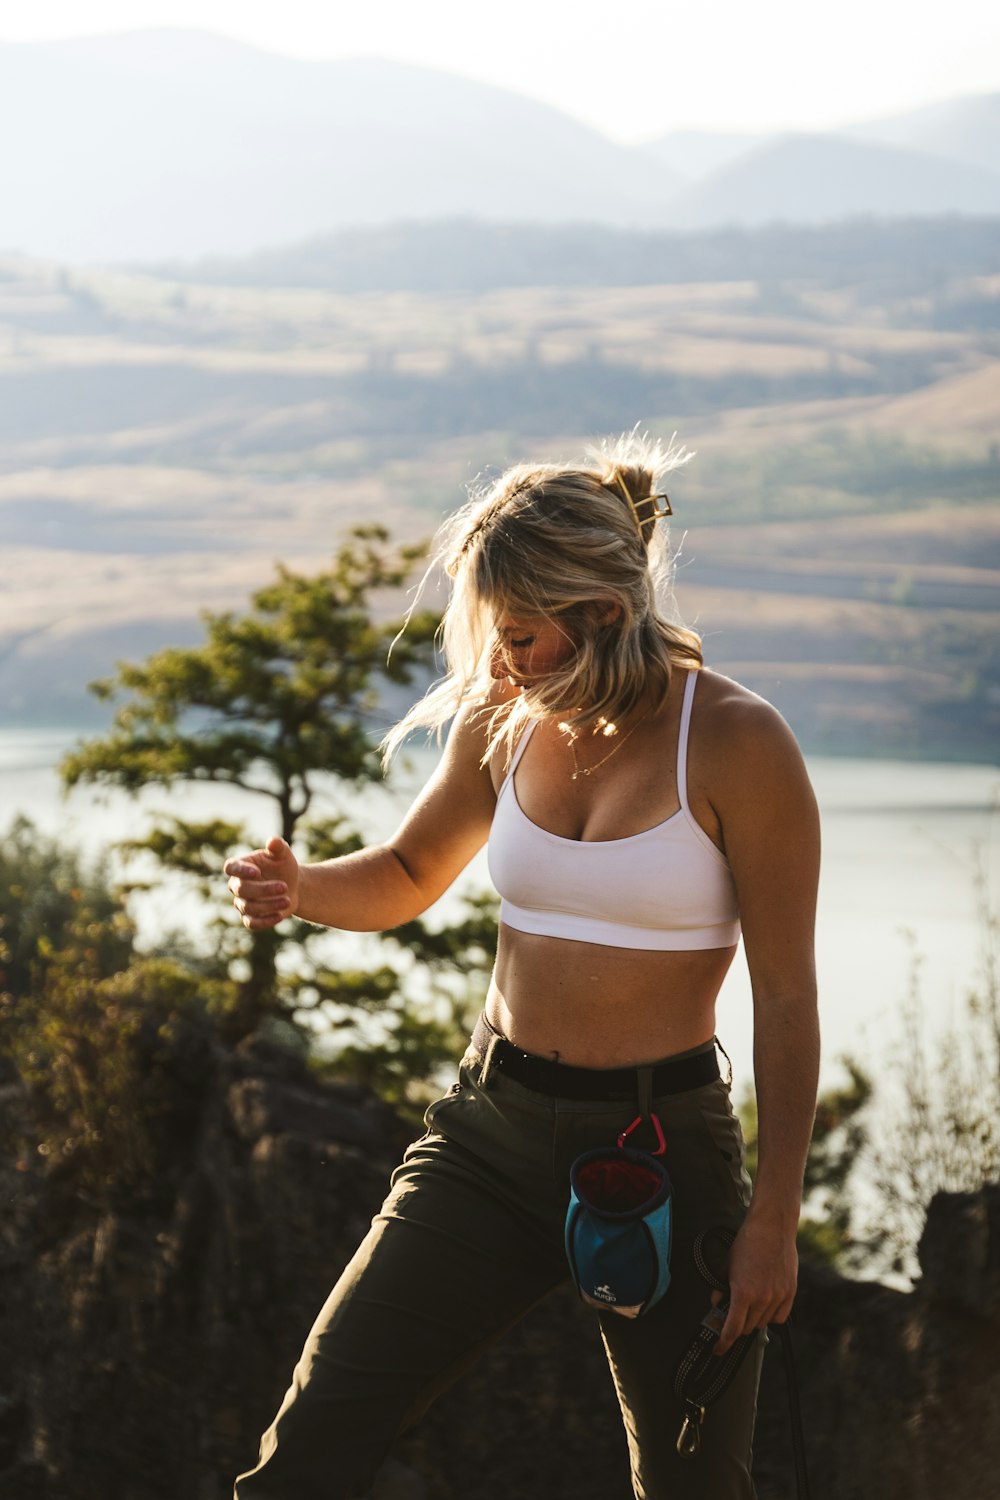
(727, 704)
(737, 733)
(476, 724)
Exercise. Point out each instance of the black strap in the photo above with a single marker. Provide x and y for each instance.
(702, 1377)
(566, 1081)
(794, 1409)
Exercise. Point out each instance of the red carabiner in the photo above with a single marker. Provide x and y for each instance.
(655, 1121)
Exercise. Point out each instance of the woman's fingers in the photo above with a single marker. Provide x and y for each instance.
(258, 923)
(260, 903)
(264, 911)
(243, 869)
(747, 1316)
(256, 889)
(258, 906)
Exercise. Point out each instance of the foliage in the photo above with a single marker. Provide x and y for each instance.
(118, 1052)
(269, 701)
(413, 1043)
(839, 1133)
(424, 1019)
(115, 1050)
(937, 1124)
(273, 696)
(47, 891)
(117, 1068)
(880, 1153)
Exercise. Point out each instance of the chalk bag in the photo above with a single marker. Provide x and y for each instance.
(618, 1228)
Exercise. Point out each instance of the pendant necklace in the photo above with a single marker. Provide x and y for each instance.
(579, 770)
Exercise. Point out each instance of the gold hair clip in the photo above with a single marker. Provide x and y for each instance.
(658, 513)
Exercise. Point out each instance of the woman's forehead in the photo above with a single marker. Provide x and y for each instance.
(517, 607)
(521, 621)
(513, 620)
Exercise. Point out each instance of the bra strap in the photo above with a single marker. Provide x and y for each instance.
(682, 739)
(522, 745)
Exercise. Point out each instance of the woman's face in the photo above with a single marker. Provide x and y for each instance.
(530, 647)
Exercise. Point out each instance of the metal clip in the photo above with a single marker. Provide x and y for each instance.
(654, 1120)
(689, 1438)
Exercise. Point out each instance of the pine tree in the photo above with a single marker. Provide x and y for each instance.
(271, 700)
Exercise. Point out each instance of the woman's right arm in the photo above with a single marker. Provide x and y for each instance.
(386, 884)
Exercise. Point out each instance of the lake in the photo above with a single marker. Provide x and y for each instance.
(902, 844)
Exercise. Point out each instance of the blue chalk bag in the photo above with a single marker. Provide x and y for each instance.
(618, 1226)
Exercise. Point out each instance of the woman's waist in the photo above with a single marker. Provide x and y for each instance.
(677, 1073)
(599, 1007)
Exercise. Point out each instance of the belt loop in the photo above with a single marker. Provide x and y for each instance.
(491, 1047)
(729, 1065)
(644, 1077)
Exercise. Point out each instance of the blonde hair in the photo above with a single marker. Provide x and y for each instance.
(579, 544)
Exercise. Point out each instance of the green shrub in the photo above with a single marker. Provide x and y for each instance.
(116, 1069)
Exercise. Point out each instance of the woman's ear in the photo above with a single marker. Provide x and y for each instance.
(606, 611)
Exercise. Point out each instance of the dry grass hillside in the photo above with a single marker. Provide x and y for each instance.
(163, 443)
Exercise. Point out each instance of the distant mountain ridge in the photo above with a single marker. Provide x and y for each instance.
(964, 130)
(173, 143)
(820, 179)
(179, 144)
(467, 255)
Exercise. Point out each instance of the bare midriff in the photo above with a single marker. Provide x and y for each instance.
(594, 1006)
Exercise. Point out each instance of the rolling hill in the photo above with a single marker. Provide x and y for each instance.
(162, 442)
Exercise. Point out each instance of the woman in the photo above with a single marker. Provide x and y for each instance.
(640, 811)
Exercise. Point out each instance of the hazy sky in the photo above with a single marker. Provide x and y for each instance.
(632, 68)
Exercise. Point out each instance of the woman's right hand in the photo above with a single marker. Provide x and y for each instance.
(265, 885)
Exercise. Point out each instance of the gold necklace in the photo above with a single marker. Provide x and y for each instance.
(579, 770)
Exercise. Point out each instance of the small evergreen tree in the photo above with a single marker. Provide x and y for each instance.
(273, 699)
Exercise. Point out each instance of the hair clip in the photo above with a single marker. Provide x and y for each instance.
(659, 512)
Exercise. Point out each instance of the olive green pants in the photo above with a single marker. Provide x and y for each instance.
(469, 1238)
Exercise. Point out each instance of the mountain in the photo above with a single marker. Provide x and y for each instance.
(817, 179)
(175, 143)
(691, 154)
(965, 130)
(166, 145)
(446, 256)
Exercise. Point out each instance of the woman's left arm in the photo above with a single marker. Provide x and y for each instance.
(770, 828)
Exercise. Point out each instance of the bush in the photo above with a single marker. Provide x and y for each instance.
(45, 890)
(117, 1069)
(114, 1050)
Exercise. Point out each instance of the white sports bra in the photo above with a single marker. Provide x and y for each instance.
(668, 887)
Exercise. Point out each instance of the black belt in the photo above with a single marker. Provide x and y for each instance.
(675, 1076)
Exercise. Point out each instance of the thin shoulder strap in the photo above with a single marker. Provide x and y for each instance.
(682, 738)
(522, 745)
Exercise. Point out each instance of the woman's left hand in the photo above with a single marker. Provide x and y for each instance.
(763, 1275)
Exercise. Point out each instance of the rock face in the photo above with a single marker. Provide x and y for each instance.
(144, 1351)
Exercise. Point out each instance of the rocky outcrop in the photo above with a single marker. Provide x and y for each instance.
(901, 1391)
(144, 1347)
